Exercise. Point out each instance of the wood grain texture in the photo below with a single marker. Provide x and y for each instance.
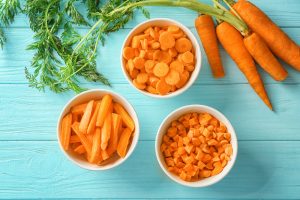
(30, 115)
(14, 58)
(264, 170)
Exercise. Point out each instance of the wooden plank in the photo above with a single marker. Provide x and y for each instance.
(14, 58)
(26, 114)
(284, 14)
(264, 170)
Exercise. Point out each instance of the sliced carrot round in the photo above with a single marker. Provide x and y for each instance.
(178, 66)
(172, 77)
(162, 87)
(166, 40)
(151, 89)
(190, 68)
(188, 57)
(183, 44)
(152, 81)
(139, 62)
(155, 45)
(142, 78)
(162, 56)
(173, 53)
(138, 85)
(178, 34)
(161, 69)
(128, 53)
(173, 29)
(149, 64)
(133, 74)
(183, 79)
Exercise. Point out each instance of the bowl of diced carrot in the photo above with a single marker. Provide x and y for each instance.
(98, 129)
(196, 146)
(161, 58)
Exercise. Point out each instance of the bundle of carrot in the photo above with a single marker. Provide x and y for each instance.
(95, 130)
(244, 45)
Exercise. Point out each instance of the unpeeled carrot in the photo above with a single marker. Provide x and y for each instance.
(279, 42)
(232, 41)
(85, 120)
(264, 57)
(206, 30)
(103, 110)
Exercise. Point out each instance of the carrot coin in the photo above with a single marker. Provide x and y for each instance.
(178, 66)
(139, 62)
(162, 87)
(133, 74)
(173, 53)
(166, 40)
(173, 29)
(172, 77)
(190, 68)
(142, 78)
(178, 34)
(138, 85)
(161, 69)
(183, 44)
(152, 81)
(149, 64)
(128, 53)
(151, 89)
(183, 79)
(155, 45)
(188, 57)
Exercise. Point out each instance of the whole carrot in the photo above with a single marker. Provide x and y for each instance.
(206, 30)
(280, 43)
(264, 57)
(232, 41)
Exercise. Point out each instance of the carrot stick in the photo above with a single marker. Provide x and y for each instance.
(123, 142)
(103, 110)
(78, 109)
(83, 139)
(85, 120)
(124, 115)
(74, 139)
(66, 131)
(113, 142)
(232, 41)
(106, 130)
(206, 30)
(96, 147)
(80, 149)
(264, 57)
(279, 42)
(92, 124)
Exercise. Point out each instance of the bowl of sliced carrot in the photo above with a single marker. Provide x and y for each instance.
(98, 129)
(196, 146)
(161, 58)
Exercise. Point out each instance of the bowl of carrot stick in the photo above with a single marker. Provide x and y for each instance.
(98, 129)
(161, 58)
(196, 146)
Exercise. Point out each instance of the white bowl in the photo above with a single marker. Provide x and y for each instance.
(98, 94)
(164, 22)
(175, 115)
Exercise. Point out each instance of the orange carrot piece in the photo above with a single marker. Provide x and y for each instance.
(96, 147)
(74, 139)
(183, 44)
(124, 115)
(66, 131)
(178, 66)
(106, 130)
(161, 69)
(128, 53)
(166, 40)
(80, 149)
(162, 87)
(103, 110)
(78, 109)
(232, 41)
(123, 142)
(278, 41)
(172, 77)
(83, 139)
(264, 57)
(104, 155)
(113, 142)
(206, 30)
(85, 120)
(92, 124)
(188, 57)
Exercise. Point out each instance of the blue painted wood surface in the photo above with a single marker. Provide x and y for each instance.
(268, 164)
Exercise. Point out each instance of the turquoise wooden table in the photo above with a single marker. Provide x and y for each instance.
(268, 163)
